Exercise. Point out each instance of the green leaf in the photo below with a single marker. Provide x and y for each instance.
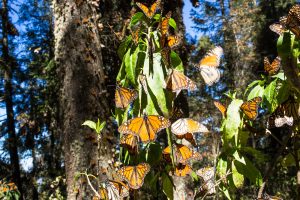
(167, 186)
(288, 161)
(136, 18)
(280, 76)
(270, 94)
(172, 23)
(283, 92)
(153, 153)
(233, 119)
(256, 82)
(226, 192)
(176, 61)
(222, 167)
(131, 58)
(100, 126)
(123, 47)
(259, 156)
(158, 99)
(90, 124)
(194, 176)
(257, 91)
(238, 178)
(245, 167)
(284, 45)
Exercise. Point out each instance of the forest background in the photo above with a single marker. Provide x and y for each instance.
(48, 89)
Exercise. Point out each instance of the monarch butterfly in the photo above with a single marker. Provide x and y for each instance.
(207, 174)
(130, 142)
(250, 108)
(208, 66)
(135, 36)
(165, 55)
(182, 153)
(273, 68)
(221, 108)
(124, 96)
(173, 41)
(114, 190)
(176, 113)
(134, 175)
(293, 20)
(164, 26)
(286, 113)
(145, 127)
(187, 125)
(277, 28)
(149, 12)
(182, 170)
(143, 82)
(177, 81)
(189, 137)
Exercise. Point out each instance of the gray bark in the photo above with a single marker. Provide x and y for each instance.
(83, 93)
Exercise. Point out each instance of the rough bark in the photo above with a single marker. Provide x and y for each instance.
(8, 98)
(83, 94)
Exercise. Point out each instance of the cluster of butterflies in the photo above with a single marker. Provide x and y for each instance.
(290, 22)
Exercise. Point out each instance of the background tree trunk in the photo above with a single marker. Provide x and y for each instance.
(83, 94)
(8, 98)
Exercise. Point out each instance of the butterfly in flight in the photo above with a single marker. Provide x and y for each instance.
(182, 153)
(286, 113)
(146, 127)
(130, 142)
(124, 96)
(149, 12)
(177, 81)
(222, 108)
(272, 68)
(134, 175)
(209, 64)
(187, 125)
(250, 108)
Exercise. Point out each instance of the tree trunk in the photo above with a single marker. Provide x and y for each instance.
(8, 98)
(83, 94)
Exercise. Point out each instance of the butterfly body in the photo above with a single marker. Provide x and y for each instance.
(145, 127)
(124, 96)
(134, 175)
(250, 108)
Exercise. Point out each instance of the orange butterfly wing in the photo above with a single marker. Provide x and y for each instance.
(250, 108)
(189, 137)
(173, 41)
(145, 127)
(182, 170)
(277, 28)
(182, 153)
(187, 125)
(221, 108)
(165, 24)
(130, 142)
(293, 20)
(124, 96)
(212, 58)
(273, 68)
(135, 36)
(134, 175)
(149, 12)
(177, 81)
(120, 187)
